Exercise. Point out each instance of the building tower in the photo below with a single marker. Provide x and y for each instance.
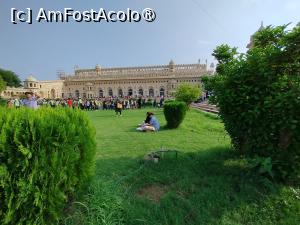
(31, 83)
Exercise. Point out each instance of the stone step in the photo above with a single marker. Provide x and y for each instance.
(205, 107)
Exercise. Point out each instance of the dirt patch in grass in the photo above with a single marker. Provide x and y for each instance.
(153, 192)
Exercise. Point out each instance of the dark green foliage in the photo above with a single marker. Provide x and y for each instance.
(47, 157)
(149, 103)
(10, 78)
(2, 84)
(258, 95)
(3, 102)
(174, 113)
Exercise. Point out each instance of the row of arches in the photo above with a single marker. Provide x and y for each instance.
(130, 92)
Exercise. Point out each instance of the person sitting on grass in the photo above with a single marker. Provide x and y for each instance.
(145, 122)
(153, 124)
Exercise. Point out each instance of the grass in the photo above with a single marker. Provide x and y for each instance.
(206, 184)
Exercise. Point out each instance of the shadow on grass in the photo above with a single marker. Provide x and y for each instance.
(208, 187)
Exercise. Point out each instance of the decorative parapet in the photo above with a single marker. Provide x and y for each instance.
(162, 71)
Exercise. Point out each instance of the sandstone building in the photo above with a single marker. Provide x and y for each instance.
(151, 81)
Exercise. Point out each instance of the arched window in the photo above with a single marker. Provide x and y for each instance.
(100, 93)
(130, 92)
(120, 92)
(77, 94)
(151, 92)
(162, 92)
(110, 92)
(141, 92)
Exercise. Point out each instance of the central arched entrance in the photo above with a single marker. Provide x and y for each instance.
(162, 92)
(130, 92)
(151, 92)
(120, 92)
(141, 91)
(101, 93)
(53, 94)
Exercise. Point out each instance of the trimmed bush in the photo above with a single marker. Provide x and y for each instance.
(175, 112)
(47, 158)
(258, 95)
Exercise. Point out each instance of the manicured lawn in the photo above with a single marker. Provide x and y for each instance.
(206, 184)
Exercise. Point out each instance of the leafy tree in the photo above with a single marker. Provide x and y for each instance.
(258, 95)
(2, 85)
(187, 93)
(224, 54)
(11, 79)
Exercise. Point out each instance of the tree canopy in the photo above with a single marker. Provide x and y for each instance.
(11, 79)
(2, 85)
(258, 95)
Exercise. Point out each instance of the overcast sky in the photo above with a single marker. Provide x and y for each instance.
(184, 31)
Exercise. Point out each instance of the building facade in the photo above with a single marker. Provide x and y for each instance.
(148, 81)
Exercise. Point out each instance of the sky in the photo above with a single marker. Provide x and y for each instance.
(184, 31)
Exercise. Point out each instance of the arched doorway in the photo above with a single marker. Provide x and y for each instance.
(110, 92)
(53, 94)
(77, 94)
(100, 93)
(120, 92)
(141, 92)
(151, 92)
(162, 92)
(130, 92)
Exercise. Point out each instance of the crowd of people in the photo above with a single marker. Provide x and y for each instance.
(34, 101)
(110, 103)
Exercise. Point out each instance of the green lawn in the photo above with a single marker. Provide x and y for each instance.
(206, 184)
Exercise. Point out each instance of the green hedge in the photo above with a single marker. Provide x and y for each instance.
(258, 94)
(47, 157)
(149, 103)
(175, 112)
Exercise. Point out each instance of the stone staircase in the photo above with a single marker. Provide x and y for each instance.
(205, 106)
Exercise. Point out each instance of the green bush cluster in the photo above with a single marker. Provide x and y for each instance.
(174, 112)
(187, 93)
(148, 103)
(258, 94)
(47, 158)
